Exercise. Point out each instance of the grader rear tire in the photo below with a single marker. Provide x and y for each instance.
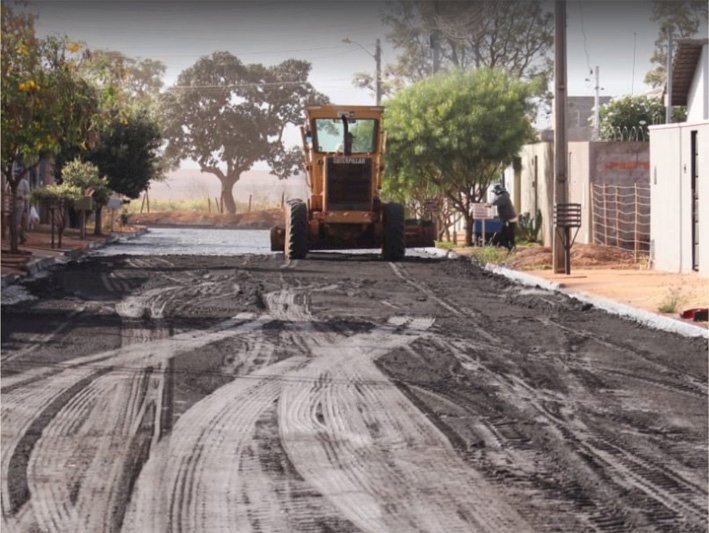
(296, 238)
(394, 246)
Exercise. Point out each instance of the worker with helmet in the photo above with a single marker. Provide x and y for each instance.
(507, 214)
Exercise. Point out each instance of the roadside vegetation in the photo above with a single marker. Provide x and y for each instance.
(490, 255)
(673, 299)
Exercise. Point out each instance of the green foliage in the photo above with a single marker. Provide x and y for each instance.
(54, 194)
(673, 299)
(125, 83)
(453, 133)
(528, 228)
(685, 18)
(239, 119)
(85, 177)
(445, 245)
(45, 103)
(490, 255)
(128, 153)
(622, 116)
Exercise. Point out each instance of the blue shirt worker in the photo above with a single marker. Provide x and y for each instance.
(507, 214)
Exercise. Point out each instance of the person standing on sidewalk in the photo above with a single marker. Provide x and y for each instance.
(508, 216)
(22, 201)
(6, 207)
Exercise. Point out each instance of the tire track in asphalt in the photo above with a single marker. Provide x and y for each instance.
(24, 405)
(363, 444)
(403, 274)
(671, 494)
(695, 385)
(671, 491)
(37, 340)
(183, 484)
(97, 492)
(194, 490)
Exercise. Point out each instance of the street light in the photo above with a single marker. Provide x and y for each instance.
(377, 55)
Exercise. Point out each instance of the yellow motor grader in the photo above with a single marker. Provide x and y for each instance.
(343, 148)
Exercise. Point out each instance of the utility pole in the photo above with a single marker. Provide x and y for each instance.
(560, 145)
(377, 55)
(435, 45)
(435, 51)
(596, 110)
(378, 60)
(668, 107)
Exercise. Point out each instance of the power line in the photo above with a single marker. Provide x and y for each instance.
(585, 41)
(259, 84)
(632, 79)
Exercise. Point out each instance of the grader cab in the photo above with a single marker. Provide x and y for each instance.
(343, 150)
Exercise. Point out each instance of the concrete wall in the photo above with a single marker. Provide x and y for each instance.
(536, 181)
(698, 97)
(611, 163)
(626, 165)
(620, 163)
(671, 196)
(578, 163)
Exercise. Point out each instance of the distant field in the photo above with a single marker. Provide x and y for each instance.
(191, 184)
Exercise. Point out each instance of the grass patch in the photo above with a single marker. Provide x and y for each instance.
(444, 245)
(490, 255)
(674, 298)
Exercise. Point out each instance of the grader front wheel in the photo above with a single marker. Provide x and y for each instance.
(394, 246)
(296, 238)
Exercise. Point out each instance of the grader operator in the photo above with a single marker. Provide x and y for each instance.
(343, 150)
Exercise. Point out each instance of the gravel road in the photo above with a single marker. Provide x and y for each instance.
(340, 393)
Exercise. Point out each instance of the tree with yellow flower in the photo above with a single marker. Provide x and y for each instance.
(45, 104)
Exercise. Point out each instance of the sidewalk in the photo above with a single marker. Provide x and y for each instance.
(37, 253)
(625, 290)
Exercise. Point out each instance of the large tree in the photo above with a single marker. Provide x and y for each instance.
(129, 96)
(128, 155)
(516, 35)
(455, 133)
(45, 104)
(227, 115)
(683, 18)
(128, 152)
(125, 82)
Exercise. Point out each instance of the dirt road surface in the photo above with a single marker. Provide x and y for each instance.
(340, 393)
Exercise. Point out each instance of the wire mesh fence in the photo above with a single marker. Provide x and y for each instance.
(620, 217)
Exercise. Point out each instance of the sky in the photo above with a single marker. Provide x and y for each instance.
(617, 36)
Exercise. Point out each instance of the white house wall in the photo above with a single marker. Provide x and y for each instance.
(698, 97)
(671, 196)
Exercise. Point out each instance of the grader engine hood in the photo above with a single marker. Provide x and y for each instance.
(348, 183)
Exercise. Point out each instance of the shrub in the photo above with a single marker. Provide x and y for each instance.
(628, 117)
(673, 299)
(528, 228)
